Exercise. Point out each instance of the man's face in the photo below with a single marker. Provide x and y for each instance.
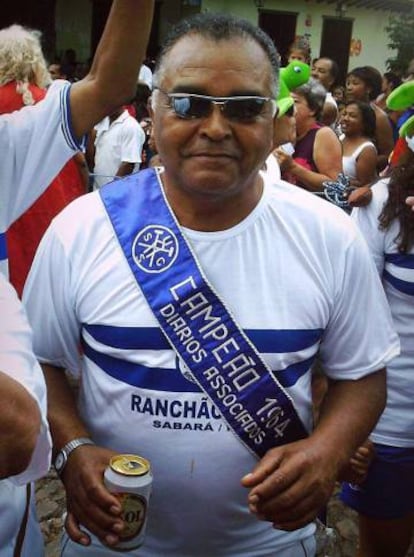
(321, 70)
(54, 70)
(213, 155)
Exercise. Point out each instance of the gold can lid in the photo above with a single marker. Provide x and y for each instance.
(129, 465)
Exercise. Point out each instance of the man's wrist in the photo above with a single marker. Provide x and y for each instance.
(63, 454)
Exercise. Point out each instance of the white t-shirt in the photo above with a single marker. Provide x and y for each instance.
(116, 142)
(396, 425)
(35, 143)
(272, 170)
(17, 360)
(288, 274)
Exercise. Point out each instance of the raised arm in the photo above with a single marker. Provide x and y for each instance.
(113, 75)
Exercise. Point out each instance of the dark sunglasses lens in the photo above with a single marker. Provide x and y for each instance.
(191, 107)
(244, 109)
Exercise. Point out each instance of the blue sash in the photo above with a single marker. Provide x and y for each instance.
(219, 356)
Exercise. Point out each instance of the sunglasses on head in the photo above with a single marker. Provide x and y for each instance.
(239, 109)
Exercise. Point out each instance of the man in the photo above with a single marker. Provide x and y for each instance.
(117, 147)
(25, 445)
(24, 78)
(37, 141)
(56, 71)
(291, 270)
(326, 71)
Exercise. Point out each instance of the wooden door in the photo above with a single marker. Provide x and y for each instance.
(281, 27)
(336, 41)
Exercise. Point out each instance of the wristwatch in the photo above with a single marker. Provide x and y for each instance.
(62, 456)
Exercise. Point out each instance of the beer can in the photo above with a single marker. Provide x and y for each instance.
(129, 478)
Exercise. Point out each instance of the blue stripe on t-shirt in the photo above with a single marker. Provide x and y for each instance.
(152, 338)
(401, 285)
(289, 376)
(405, 260)
(169, 379)
(67, 130)
(155, 379)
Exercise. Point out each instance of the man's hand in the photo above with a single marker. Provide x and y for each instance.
(89, 503)
(291, 484)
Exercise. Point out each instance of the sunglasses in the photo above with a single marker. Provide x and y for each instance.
(238, 109)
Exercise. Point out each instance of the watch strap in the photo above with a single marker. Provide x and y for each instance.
(66, 450)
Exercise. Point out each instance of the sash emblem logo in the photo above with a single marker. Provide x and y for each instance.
(155, 248)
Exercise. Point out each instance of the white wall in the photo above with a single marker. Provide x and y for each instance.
(368, 26)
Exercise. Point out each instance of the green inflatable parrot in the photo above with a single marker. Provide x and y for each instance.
(292, 76)
(401, 98)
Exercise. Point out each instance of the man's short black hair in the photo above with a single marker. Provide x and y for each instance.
(219, 27)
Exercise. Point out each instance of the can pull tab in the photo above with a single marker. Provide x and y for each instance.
(130, 465)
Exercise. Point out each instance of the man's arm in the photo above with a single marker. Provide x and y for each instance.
(89, 503)
(19, 427)
(24, 433)
(125, 168)
(292, 483)
(113, 75)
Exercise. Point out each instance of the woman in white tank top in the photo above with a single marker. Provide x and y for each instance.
(359, 157)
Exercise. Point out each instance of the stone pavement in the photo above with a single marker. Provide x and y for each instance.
(50, 506)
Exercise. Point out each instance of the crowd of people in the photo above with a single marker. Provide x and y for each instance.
(218, 314)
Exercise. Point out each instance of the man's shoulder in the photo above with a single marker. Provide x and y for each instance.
(131, 122)
(302, 209)
(80, 215)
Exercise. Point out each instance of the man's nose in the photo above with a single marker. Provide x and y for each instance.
(215, 125)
